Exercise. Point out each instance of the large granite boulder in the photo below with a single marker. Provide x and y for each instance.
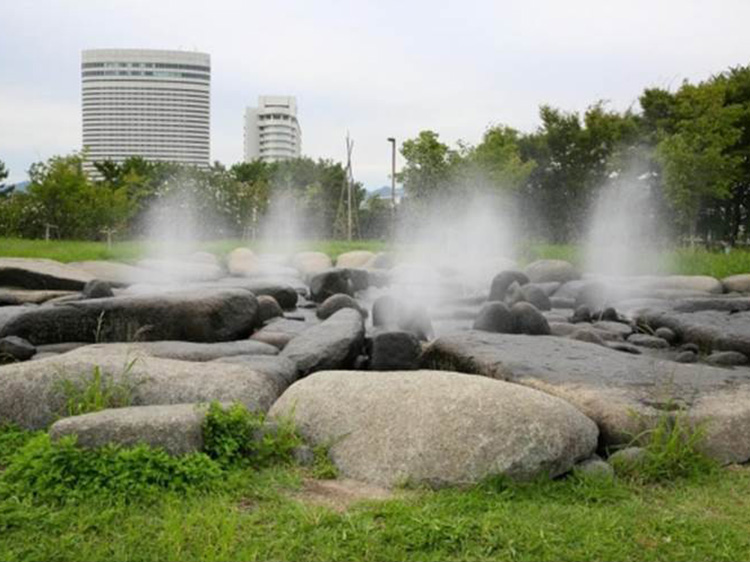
(333, 344)
(280, 331)
(203, 316)
(623, 393)
(310, 263)
(329, 282)
(189, 351)
(737, 283)
(176, 428)
(41, 274)
(436, 428)
(33, 395)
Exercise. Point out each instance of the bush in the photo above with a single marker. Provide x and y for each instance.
(236, 435)
(58, 471)
(97, 392)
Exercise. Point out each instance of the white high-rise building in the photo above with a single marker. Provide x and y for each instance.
(272, 132)
(149, 103)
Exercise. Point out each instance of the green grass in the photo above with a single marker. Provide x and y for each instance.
(684, 261)
(76, 250)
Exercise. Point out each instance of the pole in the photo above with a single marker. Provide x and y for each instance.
(393, 180)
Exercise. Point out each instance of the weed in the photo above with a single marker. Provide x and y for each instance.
(59, 471)
(235, 435)
(97, 392)
(323, 467)
(672, 446)
(12, 438)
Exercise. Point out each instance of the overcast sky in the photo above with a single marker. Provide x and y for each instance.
(377, 69)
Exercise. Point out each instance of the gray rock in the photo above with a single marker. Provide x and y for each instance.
(415, 319)
(284, 291)
(41, 274)
(595, 467)
(535, 295)
(359, 279)
(303, 455)
(590, 336)
(582, 314)
(494, 316)
(357, 258)
(666, 334)
(183, 271)
(644, 340)
(737, 283)
(395, 351)
(60, 347)
(690, 347)
(280, 331)
(310, 263)
(268, 308)
(338, 302)
(228, 314)
(175, 428)
(622, 393)
(502, 281)
(528, 320)
(619, 328)
(32, 395)
(726, 358)
(97, 289)
(330, 282)
(545, 271)
(120, 274)
(332, 344)
(624, 347)
(629, 457)
(15, 297)
(686, 357)
(562, 302)
(199, 352)
(13, 348)
(436, 428)
(279, 369)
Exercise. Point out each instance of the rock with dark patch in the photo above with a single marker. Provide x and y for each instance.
(611, 387)
(691, 347)
(13, 348)
(415, 319)
(544, 271)
(436, 428)
(330, 282)
(201, 316)
(31, 392)
(395, 351)
(535, 295)
(97, 289)
(359, 279)
(666, 334)
(41, 274)
(332, 344)
(494, 317)
(726, 358)
(280, 331)
(502, 281)
(581, 314)
(176, 428)
(385, 311)
(338, 302)
(268, 308)
(609, 314)
(645, 340)
(528, 320)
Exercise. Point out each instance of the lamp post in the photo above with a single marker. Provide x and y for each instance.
(393, 181)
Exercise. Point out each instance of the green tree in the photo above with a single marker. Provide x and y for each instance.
(497, 161)
(428, 169)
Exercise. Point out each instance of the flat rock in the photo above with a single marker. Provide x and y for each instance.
(619, 328)
(41, 274)
(183, 270)
(122, 275)
(175, 428)
(332, 344)
(646, 340)
(198, 352)
(280, 331)
(14, 297)
(32, 393)
(357, 259)
(436, 428)
(621, 392)
(204, 316)
(280, 369)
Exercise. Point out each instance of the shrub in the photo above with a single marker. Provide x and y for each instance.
(236, 435)
(97, 392)
(57, 471)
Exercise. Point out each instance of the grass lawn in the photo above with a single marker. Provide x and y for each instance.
(259, 516)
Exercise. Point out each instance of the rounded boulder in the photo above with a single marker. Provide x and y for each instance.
(436, 428)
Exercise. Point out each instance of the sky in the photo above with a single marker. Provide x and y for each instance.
(375, 69)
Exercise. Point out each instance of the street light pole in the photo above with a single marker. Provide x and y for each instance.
(393, 180)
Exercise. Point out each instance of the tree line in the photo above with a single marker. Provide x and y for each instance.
(690, 148)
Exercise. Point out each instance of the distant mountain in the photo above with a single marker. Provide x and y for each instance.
(385, 193)
(20, 187)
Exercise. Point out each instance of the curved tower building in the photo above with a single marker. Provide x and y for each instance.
(149, 103)
(272, 131)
